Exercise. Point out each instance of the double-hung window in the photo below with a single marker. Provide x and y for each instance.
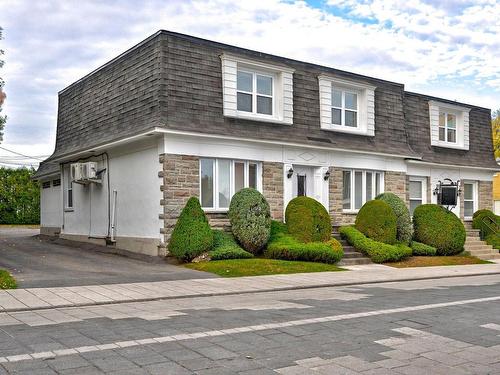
(447, 127)
(68, 189)
(221, 178)
(358, 187)
(417, 192)
(470, 201)
(344, 107)
(254, 93)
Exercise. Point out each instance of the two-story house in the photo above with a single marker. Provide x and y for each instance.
(179, 116)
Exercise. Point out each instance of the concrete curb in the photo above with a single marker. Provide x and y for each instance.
(278, 289)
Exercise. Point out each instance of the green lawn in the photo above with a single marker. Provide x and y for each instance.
(259, 267)
(424, 261)
(7, 281)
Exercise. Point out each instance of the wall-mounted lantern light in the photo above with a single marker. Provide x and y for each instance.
(326, 176)
(289, 173)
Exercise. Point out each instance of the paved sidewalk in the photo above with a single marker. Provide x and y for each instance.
(43, 298)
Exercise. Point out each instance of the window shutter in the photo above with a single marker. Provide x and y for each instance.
(370, 112)
(287, 79)
(229, 72)
(434, 123)
(325, 101)
(466, 129)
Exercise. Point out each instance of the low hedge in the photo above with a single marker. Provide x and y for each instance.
(226, 247)
(377, 220)
(436, 226)
(378, 252)
(283, 246)
(486, 226)
(421, 249)
(493, 240)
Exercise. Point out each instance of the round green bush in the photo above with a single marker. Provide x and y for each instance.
(486, 221)
(404, 225)
(250, 218)
(437, 227)
(192, 234)
(377, 221)
(307, 220)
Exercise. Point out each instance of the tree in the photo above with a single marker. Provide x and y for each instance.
(19, 197)
(495, 129)
(3, 119)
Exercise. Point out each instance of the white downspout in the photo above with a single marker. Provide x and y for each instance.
(113, 217)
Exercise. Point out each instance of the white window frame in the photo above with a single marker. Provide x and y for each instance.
(215, 186)
(68, 187)
(474, 200)
(423, 180)
(461, 126)
(363, 187)
(254, 93)
(343, 108)
(446, 127)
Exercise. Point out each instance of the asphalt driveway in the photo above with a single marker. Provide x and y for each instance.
(37, 263)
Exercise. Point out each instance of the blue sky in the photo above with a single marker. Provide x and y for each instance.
(448, 48)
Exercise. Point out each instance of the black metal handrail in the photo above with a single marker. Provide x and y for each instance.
(492, 225)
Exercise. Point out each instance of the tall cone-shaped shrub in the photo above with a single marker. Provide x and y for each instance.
(192, 234)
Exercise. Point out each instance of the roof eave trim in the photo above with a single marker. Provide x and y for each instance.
(453, 165)
(291, 144)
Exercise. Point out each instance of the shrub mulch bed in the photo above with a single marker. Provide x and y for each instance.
(259, 267)
(430, 261)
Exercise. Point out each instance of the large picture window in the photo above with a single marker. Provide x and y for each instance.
(254, 92)
(221, 178)
(358, 187)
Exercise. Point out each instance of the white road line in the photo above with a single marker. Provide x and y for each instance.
(231, 331)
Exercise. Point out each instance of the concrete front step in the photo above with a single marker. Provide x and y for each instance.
(478, 247)
(354, 261)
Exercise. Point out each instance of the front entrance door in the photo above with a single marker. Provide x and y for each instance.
(303, 181)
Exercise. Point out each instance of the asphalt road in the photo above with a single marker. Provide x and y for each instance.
(38, 263)
(445, 326)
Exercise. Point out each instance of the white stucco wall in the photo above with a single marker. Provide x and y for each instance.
(50, 207)
(133, 173)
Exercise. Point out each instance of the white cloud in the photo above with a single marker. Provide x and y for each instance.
(444, 48)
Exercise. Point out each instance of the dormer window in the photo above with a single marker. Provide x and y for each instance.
(255, 92)
(258, 91)
(347, 106)
(344, 107)
(449, 125)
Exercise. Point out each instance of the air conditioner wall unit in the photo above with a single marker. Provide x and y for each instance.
(84, 172)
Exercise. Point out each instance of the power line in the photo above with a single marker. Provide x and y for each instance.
(18, 153)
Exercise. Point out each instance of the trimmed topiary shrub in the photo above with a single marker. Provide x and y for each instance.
(404, 225)
(283, 246)
(439, 228)
(307, 220)
(378, 252)
(192, 235)
(250, 218)
(421, 249)
(226, 247)
(377, 220)
(486, 221)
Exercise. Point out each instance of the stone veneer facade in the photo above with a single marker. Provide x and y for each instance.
(181, 181)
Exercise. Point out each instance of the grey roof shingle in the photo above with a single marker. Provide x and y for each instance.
(174, 81)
